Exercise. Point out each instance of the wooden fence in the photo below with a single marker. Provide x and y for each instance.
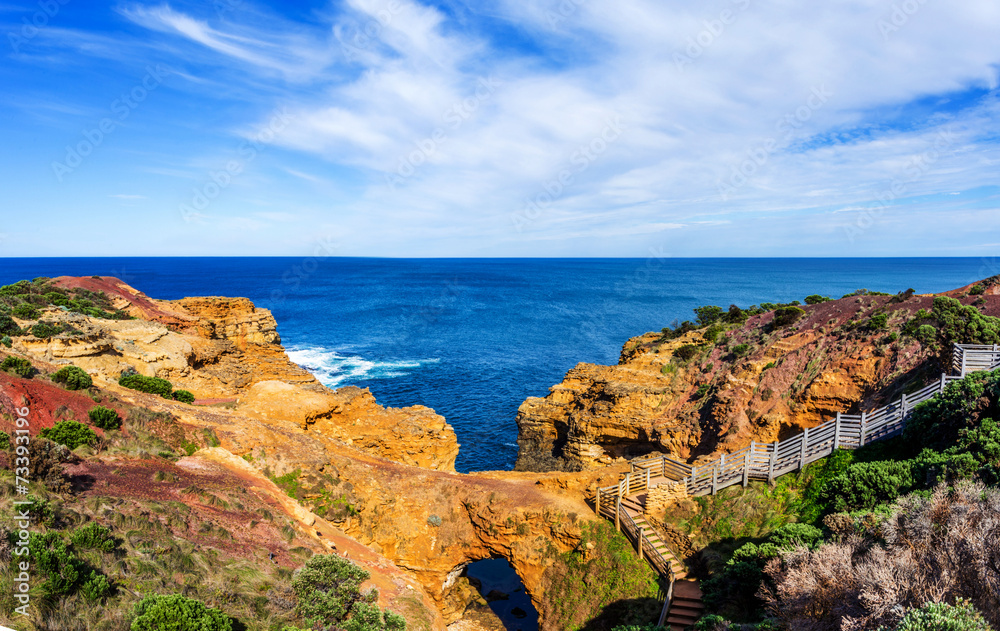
(766, 461)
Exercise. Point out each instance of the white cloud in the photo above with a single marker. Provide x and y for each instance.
(770, 108)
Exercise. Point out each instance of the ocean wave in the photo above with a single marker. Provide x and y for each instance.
(334, 370)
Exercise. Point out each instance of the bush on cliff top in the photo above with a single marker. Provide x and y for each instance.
(105, 418)
(328, 588)
(151, 385)
(73, 378)
(177, 613)
(183, 396)
(69, 433)
(18, 366)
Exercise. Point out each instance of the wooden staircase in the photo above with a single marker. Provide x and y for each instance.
(683, 605)
(686, 606)
(633, 506)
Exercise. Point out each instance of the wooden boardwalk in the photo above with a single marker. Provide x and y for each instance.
(624, 503)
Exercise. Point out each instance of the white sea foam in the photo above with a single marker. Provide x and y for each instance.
(334, 369)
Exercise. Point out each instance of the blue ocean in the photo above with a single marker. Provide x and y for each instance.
(472, 338)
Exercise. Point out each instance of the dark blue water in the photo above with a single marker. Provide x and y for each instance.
(472, 338)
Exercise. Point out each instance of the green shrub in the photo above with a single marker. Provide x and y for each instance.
(926, 334)
(713, 332)
(977, 289)
(701, 391)
(6, 341)
(878, 321)
(4, 440)
(741, 350)
(95, 587)
(964, 324)
(177, 613)
(736, 587)
(786, 316)
(69, 433)
(7, 325)
(938, 423)
(183, 396)
(105, 418)
(368, 617)
(816, 299)
(708, 314)
(327, 588)
(53, 560)
(735, 315)
(711, 622)
(686, 352)
(25, 311)
(73, 378)
(151, 385)
(865, 485)
(94, 536)
(961, 616)
(18, 366)
(45, 329)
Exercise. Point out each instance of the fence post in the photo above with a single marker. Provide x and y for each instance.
(597, 502)
(663, 461)
(944, 382)
(715, 479)
(802, 453)
(638, 545)
(618, 508)
(770, 465)
(864, 428)
(746, 464)
(628, 484)
(647, 479)
(902, 408)
(963, 363)
(836, 433)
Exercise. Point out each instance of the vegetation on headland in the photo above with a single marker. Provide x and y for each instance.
(25, 299)
(102, 562)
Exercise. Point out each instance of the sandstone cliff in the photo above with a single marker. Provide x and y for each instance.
(227, 349)
(756, 381)
(375, 483)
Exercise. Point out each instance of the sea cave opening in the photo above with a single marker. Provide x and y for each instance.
(504, 592)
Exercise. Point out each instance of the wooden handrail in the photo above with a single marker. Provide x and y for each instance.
(844, 432)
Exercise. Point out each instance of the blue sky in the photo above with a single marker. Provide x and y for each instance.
(512, 128)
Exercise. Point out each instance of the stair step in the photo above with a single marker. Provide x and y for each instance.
(685, 611)
(681, 621)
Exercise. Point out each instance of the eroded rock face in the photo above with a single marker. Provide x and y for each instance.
(429, 523)
(413, 435)
(228, 349)
(783, 380)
